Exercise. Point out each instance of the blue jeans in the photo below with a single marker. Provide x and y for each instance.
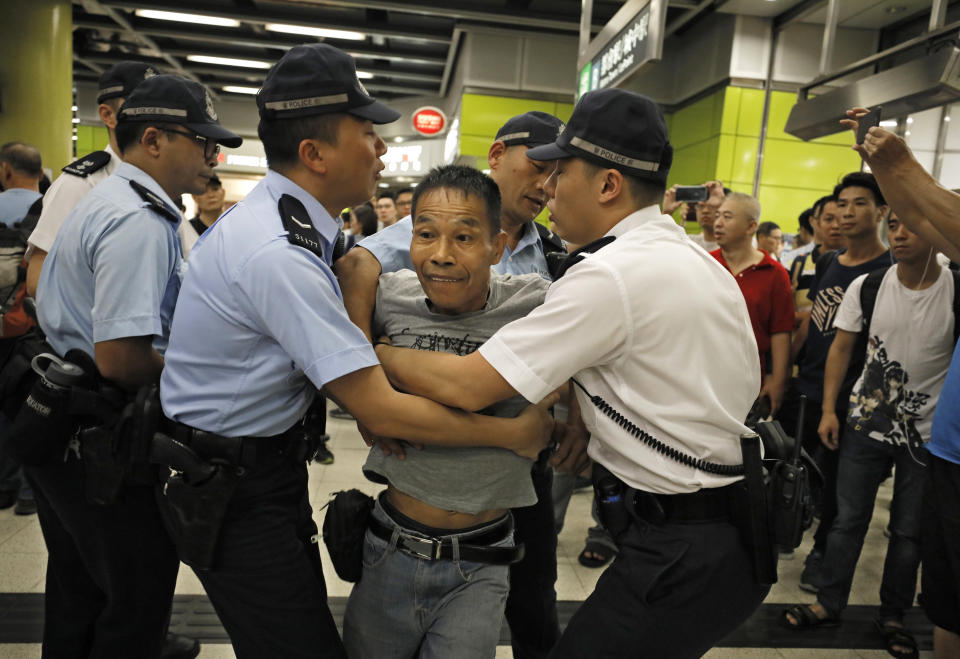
(863, 464)
(405, 606)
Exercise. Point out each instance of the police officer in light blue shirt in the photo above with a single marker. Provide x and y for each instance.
(108, 288)
(20, 174)
(260, 326)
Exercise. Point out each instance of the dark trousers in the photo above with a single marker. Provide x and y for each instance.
(826, 459)
(532, 604)
(864, 463)
(111, 570)
(267, 584)
(674, 590)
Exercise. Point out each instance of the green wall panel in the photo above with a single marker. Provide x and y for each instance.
(731, 110)
(793, 163)
(698, 122)
(751, 112)
(744, 159)
(91, 138)
(783, 205)
(694, 164)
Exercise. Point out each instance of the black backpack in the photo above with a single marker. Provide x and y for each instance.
(871, 286)
(13, 246)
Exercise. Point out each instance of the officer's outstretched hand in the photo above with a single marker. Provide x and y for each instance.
(829, 430)
(388, 445)
(535, 428)
(571, 440)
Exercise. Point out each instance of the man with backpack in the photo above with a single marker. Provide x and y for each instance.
(905, 319)
(861, 208)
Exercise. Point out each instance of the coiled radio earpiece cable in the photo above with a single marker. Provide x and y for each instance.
(656, 444)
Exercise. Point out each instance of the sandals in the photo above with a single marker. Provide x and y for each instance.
(602, 552)
(894, 635)
(806, 619)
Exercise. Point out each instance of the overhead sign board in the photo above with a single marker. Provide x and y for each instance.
(630, 42)
(429, 121)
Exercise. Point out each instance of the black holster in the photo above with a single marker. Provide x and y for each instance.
(103, 472)
(194, 514)
(751, 514)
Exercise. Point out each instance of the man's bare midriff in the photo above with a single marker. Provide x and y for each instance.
(438, 517)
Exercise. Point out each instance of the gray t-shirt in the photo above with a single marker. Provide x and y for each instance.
(466, 480)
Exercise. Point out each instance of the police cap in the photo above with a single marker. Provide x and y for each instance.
(171, 99)
(120, 79)
(618, 129)
(531, 128)
(317, 79)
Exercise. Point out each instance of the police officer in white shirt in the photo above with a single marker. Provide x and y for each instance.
(652, 329)
(86, 173)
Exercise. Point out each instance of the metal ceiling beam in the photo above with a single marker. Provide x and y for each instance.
(692, 15)
(360, 51)
(90, 65)
(496, 14)
(262, 18)
(120, 20)
(796, 13)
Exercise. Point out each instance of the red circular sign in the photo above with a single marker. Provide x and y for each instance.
(429, 121)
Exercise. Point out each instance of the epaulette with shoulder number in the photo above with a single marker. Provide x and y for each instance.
(156, 203)
(551, 241)
(300, 230)
(89, 164)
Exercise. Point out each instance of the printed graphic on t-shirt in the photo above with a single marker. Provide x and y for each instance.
(884, 408)
(825, 308)
(437, 342)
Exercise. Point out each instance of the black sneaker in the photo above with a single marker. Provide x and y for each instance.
(7, 498)
(178, 646)
(25, 507)
(323, 455)
(810, 577)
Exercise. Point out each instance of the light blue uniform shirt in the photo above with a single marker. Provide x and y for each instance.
(112, 270)
(260, 321)
(14, 204)
(391, 246)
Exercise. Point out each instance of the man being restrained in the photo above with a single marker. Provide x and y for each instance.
(436, 554)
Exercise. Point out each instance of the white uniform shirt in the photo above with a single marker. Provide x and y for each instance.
(660, 330)
(61, 198)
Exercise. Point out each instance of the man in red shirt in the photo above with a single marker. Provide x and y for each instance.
(765, 285)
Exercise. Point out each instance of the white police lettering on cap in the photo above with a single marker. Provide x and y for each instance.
(111, 90)
(149, 73)
(172, 112)
(362, 88)
(561, 128)
(313, 101)
(613, 156)
(514, 136)
(211, 111)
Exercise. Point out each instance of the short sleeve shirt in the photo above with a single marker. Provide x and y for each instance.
(260, 324)
(827, 294)
(111, 273)
(629, 322)
(907, 357)
(61, 198)
(391, 247)
(465, 479)
(766, 288)
(15, 203)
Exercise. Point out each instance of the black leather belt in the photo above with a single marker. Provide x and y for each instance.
(713, 504)
(433, 549)
(247, 452)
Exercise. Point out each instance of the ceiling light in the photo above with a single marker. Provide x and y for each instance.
(315, 31)
(889, 123)
(76, 120)
(229, 61)
(235, 89)
(364, 75)
(187, 18)
(909, 120)
(73, 108)
(384, 185)
(947, 118)
(398, 139)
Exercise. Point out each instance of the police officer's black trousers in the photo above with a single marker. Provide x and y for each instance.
(674, 590)
(111, 570)
(267, 584)
(532, 604)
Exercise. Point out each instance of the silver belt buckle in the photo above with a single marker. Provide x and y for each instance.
(426, 548)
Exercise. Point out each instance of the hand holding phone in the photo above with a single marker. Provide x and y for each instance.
(868, 121)
(691, 193)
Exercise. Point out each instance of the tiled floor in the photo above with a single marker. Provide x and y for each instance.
(23, 558)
